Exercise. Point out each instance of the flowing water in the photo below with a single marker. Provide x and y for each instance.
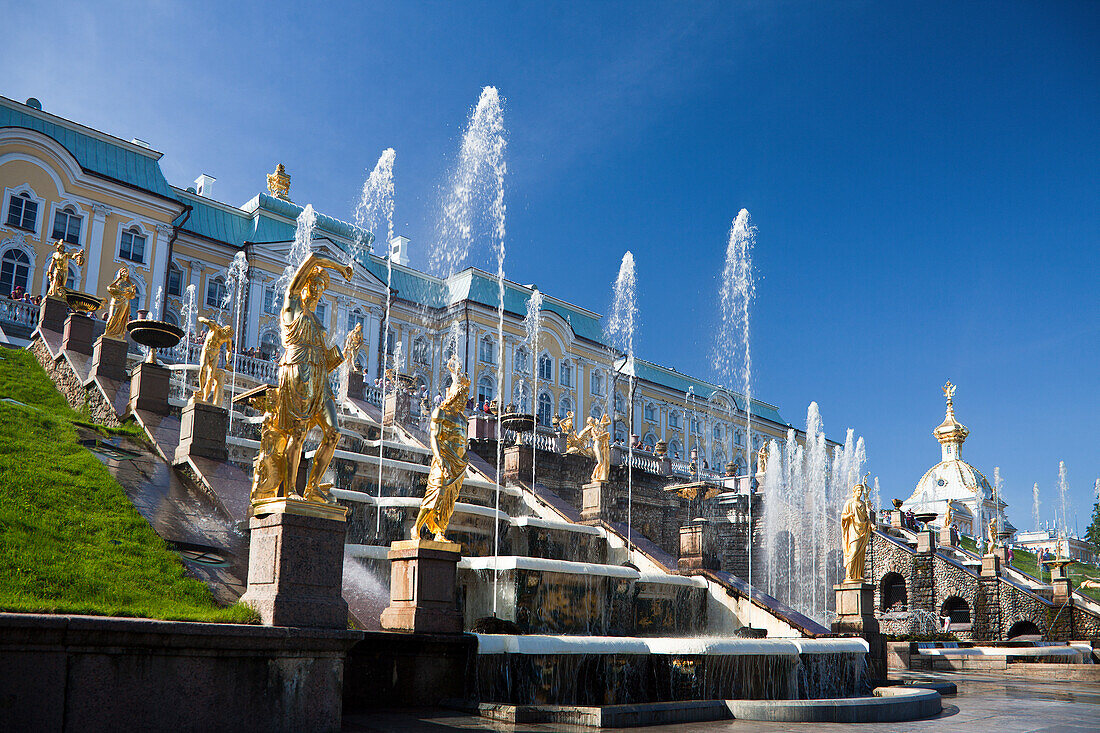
(1063, 487)
(620, 329)
(1035, 505)
(531, 327)
(474, 212)
(736, 293)
(236, 284)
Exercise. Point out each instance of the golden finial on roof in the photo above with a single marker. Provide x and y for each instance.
(278, 183)
(950, 431)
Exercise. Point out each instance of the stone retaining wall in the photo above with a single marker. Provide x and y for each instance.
(82, 673)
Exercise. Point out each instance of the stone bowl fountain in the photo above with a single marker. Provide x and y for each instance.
(82, 303)
(520, 422)
(154, 335)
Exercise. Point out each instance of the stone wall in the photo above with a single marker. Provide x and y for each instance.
(79, 397)
(81, 673)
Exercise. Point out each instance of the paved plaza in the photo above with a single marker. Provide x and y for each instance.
(985, 703)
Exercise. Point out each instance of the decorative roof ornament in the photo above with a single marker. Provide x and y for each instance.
(278, 183)
(950, 433)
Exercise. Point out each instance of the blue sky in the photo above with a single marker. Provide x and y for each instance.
(925, 177)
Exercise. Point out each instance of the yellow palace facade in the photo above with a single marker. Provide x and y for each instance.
(109, 197)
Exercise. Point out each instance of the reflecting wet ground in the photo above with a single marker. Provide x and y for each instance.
(985, 703)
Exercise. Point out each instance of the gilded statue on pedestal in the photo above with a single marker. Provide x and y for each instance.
(57, 272)
(121, 292)
(303, 398)
(352, 345)
(948, 516)
(573, 442)
(211, 376)
(991, 533)
(449, 459)
(855, 524)
(601, 447)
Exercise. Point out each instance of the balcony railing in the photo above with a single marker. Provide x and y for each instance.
(18, 312)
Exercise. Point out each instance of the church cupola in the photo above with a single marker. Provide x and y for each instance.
(950, 433)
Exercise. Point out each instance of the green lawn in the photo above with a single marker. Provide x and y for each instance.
(70, 540)
(1025, 562)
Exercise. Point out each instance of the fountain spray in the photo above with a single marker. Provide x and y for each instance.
(236, 281)
(1035, 505)
(188, 321)
(475, 200)
(1063, 487)
(998, 487)
(531, 324)
(620, 327)
(737, 291)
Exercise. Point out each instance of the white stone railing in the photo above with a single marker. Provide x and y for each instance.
(18, 312)
(644, 461)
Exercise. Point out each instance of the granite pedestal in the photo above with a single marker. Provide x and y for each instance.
(109, 358)
(357, 388)
(1060, 581)
(52, 314)
(423, 576)
(991, 565)
(926, 541)
(594, 501)
(203, 429)
(947, 537)
(296, 565)
(855, 608)
(396, 408)
(149, 388)
(698, 544)
(77, 335)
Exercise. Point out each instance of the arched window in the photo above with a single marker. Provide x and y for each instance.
(135, 304)
(421, 383)
(719, 459)
(565, 374)
(269, 345)
(521, 397)
(695, 427)
(215, 292)
(650, 440)
(892, 593)
(620, 433)
(1023, 628)
(738, 438)
(15, 269)
(391, 342)
(717, 432)
(674, 419)
(564, 406)
(444, 382)
(421, 352)
(356, 318)
(675, 449)
(650, 412)
(546, 368)
(321, 311)
(172, 318)
(596, 412)
(739, 467)
(131, 245)
(596, 381)
(66, 225)
(957, 609)
(620, 403)
(70, 278)
(520, 363)
(546, 409)
(175, 279)
(486, 350)
(486, 389)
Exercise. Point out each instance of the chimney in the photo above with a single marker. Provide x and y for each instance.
(399, 250)
(204, 185)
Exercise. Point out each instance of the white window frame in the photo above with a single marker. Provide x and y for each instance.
(565, 373)
(487, 349)
(16, 244)
(565, 404)
(597, 378)
(323, 306)
(206, 290)
(538, 408)
(521, 354)
(150, 242)
(23, 188)
(649, 412)
(58, 206)
(422, 351)
(168, 279)
(545, 356)
(274, 310)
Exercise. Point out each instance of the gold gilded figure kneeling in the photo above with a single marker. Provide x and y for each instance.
(449, 459)
(303, 398)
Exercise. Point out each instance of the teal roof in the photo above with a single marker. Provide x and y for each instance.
(95, 155)
(215, 222)
(290, 210)
(703, 390)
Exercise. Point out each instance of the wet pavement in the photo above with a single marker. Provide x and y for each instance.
(985, 703)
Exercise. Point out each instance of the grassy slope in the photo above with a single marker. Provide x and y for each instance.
(1025, 562)
(70, 540)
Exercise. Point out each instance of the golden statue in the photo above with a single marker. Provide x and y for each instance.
(57, 272)
(573, 442)
(352, 345)
(211, 377)
(949, 391)
(122, 291)
(303, 398)
(948, 516)
(449, 459)
(855, 524)
(601, 446)
(762, 460)
(991, 533)
(278, 183)
(269, 465)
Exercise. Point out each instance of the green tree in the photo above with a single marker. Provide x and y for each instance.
(1092, 534)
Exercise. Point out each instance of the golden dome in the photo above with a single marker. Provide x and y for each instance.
(950, 431)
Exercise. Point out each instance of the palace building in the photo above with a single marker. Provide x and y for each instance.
(62, 180)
